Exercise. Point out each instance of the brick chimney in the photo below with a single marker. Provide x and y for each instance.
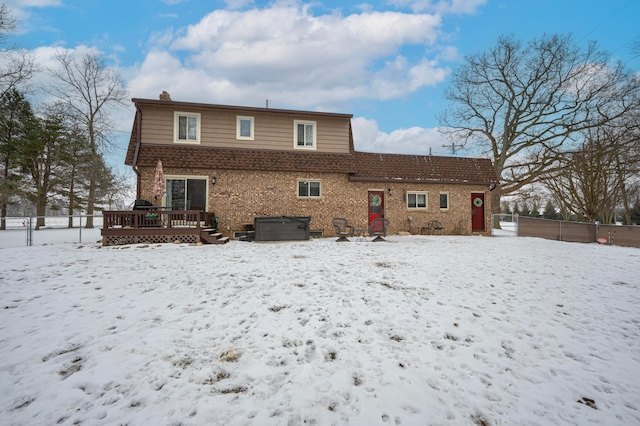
(164, 96)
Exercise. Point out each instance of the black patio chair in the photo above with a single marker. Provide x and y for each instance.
(378, 229)
(343, 229)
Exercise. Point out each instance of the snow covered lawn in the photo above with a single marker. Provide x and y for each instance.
(421, 330)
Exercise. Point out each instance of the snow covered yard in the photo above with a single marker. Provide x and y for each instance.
(421, 330)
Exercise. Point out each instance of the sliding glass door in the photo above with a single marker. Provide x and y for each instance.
(187, 194)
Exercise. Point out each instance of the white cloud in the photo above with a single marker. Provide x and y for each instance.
(19, 10)
(285, 52)
(440, 6)
(367, 137)
(398, 78)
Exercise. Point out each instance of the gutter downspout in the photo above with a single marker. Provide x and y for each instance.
(137, 151)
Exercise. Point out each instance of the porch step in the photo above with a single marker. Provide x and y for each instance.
(210, 236)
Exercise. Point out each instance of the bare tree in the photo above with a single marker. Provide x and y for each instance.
(89, 89)
(635, 47)
(523, 105)
(628, 163)
(591, 181)
(16, 65)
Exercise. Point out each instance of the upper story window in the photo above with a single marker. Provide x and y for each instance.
(417, 200)
(186, 127)
(444, 201)
(244, 128)
(304, 134)
(309, 188)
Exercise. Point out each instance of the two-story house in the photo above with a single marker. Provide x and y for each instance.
(245, 162)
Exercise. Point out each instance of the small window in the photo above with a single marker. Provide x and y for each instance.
(417, 200)
(304, 134)
(244, 128)
(186, 127)
(444, 201)
(309, 189)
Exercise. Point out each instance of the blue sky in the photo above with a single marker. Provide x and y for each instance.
(385, 62)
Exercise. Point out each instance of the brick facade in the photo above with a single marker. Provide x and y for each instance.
(241, 195)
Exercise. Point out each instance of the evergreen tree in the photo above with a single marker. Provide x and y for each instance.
(40, 159)
(75, 172)
(550, 211)
(15, 118)
(535, 212)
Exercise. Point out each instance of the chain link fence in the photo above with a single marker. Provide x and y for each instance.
(45, 230)
(504, 225)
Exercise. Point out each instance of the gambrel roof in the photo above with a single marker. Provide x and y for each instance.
(360, 166)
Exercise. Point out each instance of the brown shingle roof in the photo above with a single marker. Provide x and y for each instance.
(421, 168)
(361, 166)
(244, 159)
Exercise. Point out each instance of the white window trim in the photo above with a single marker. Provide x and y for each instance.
(308, 197)
(448, 200)
(177, 114)
(426, 200)
(295, 134)
(244, 138)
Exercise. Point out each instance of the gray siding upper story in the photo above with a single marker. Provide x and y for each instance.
(273, 128)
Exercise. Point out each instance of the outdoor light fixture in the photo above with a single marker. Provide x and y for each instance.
(390, 191)
(213, 180)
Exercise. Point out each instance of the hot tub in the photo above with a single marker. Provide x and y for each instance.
(281, 228)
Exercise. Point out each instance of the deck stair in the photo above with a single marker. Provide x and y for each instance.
(212, 236)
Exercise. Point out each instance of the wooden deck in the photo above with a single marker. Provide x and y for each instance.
(156, 226)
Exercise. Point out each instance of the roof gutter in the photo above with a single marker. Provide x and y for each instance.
(187, 105)
(402, 180)
(137, 151)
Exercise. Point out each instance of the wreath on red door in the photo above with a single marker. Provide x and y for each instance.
(375, 200)
(477, 202)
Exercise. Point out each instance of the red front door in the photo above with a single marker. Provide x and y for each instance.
(376, 205)
(477, 212)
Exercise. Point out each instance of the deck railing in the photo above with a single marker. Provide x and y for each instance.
(151, 219)
(152, 226)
